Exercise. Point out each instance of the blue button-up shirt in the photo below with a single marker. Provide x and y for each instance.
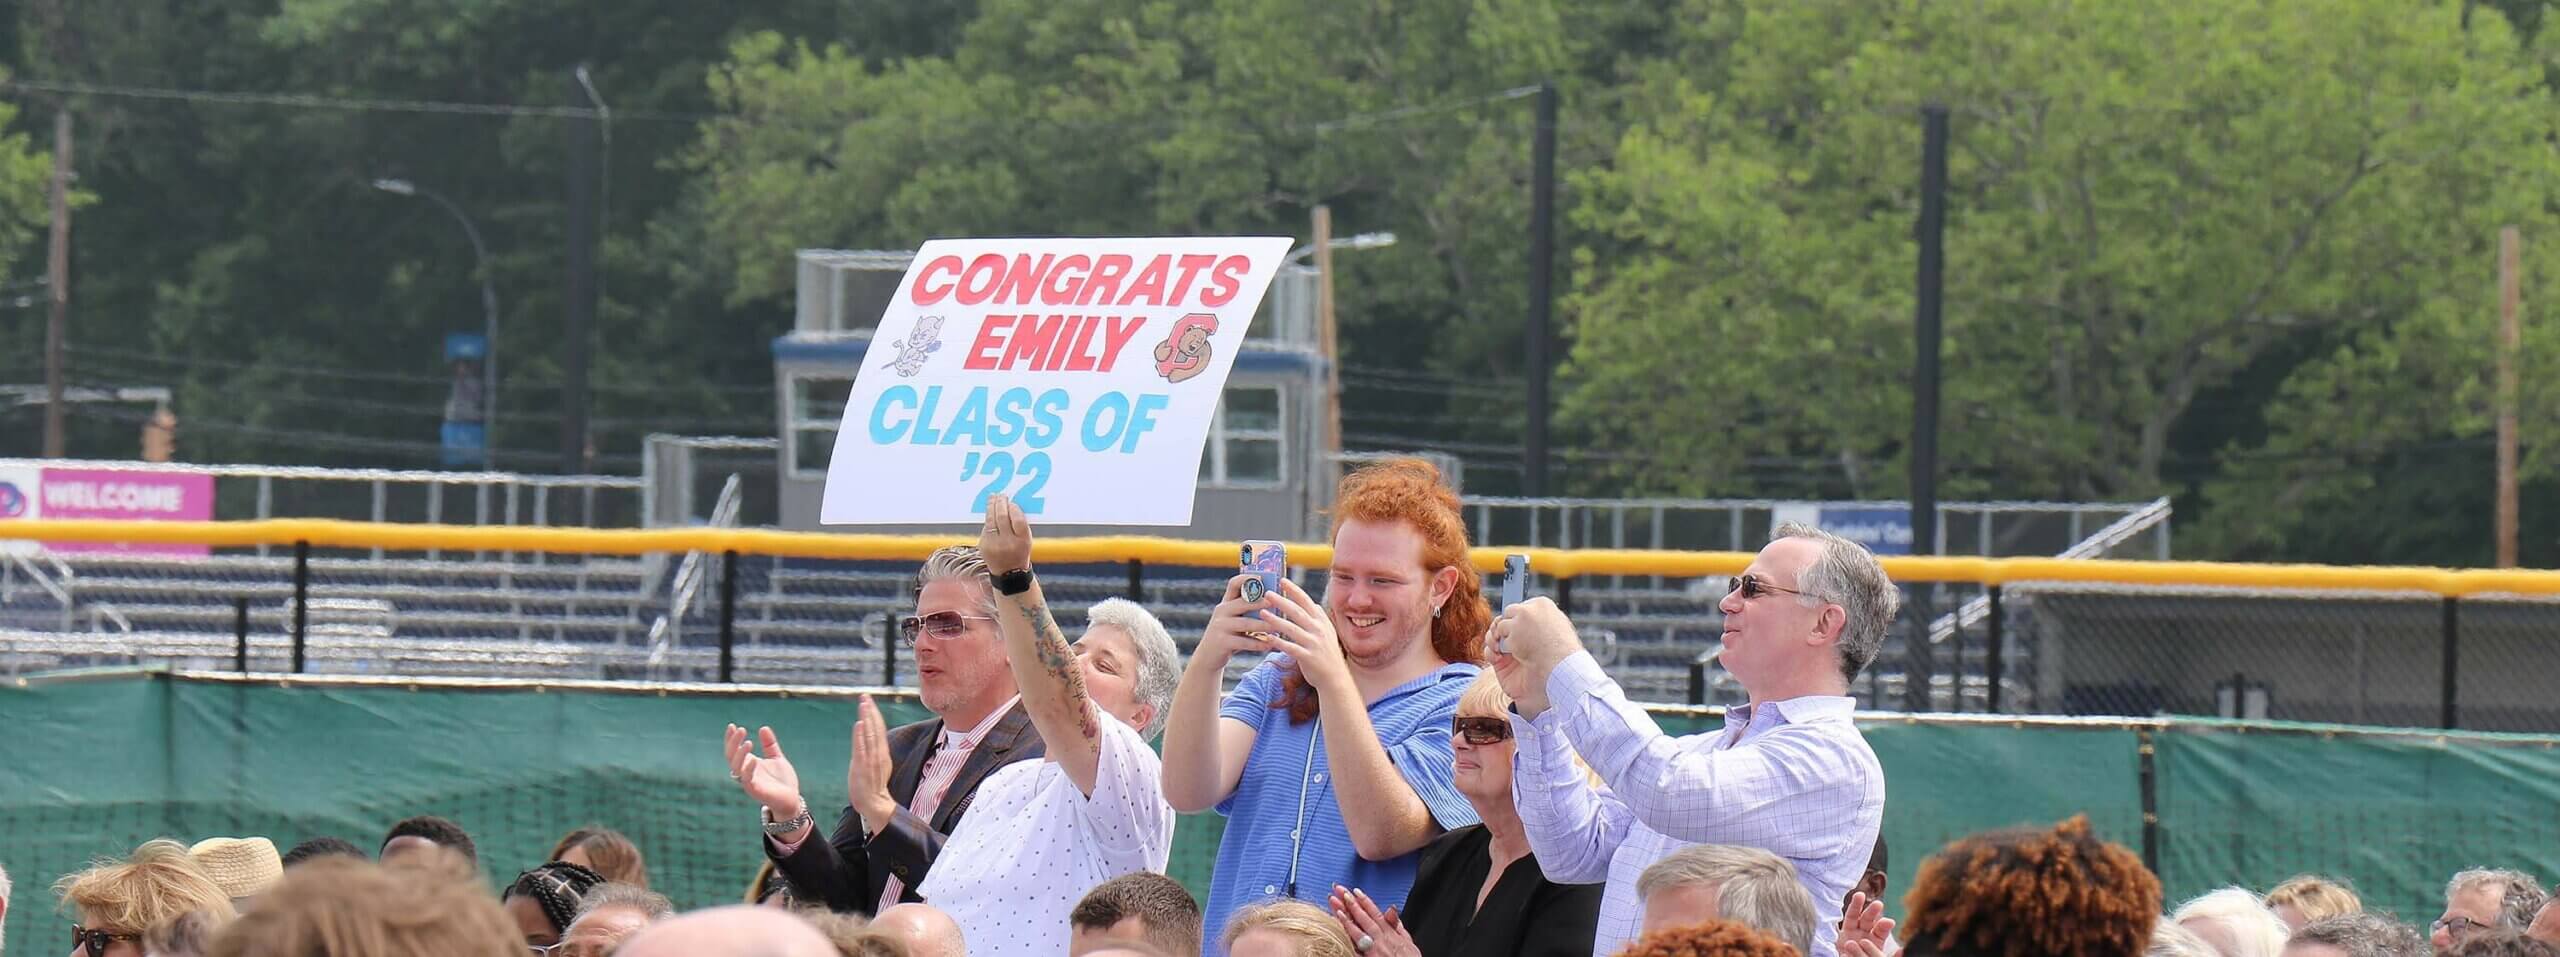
(1287, 791)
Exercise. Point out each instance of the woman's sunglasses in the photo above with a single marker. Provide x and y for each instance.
(96, 942)
(946, 625)
(1481, 731)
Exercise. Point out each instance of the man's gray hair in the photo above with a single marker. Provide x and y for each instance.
(960, 563)
(649, 903)
(1848, 575)
(1753, 886)
(2520, 896)
(2363, 934)
(1159, 659)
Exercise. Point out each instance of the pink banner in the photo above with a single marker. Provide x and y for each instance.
(130, 496)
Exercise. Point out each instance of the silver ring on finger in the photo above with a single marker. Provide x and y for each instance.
(1364, 943)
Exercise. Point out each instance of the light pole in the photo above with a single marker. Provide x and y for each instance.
(1362, 241)
(488, 307)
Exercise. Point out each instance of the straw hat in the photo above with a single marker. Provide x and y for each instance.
(241, 866)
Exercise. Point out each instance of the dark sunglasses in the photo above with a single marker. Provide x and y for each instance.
(96, 942)
(946, 625)
(1754, 586)
(1481, 731)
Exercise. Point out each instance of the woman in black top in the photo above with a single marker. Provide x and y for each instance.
(1479, 892)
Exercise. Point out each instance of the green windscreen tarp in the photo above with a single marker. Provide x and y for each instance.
(94, 764)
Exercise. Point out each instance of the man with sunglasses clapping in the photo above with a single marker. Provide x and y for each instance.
(908, 785)
(1789, 773)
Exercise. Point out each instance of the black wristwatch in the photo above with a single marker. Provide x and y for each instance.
(1014, 582)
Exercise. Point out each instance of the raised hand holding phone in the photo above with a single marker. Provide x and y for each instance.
(1515, 589)
(1265, 562)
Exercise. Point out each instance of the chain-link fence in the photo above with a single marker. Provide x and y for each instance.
(2390, 658)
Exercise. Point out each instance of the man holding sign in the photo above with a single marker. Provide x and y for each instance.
(1332, 759)
(1045, 832)
(1077, 377)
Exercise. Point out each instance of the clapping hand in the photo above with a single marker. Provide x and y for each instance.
(867, 778)
(1373, 932)
(1864, 930)
(769, 779)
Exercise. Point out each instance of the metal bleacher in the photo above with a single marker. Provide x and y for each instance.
(801, 621)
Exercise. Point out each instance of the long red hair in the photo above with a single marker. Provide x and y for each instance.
(1410, 491)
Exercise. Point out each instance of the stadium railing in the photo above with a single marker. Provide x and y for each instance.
(2063, 635)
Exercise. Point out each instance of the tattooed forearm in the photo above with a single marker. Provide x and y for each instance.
(1060, 660)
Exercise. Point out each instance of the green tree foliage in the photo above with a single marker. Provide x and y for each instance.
(2147, 202)
(2236, 251)
(240, 255)
(1098, 117)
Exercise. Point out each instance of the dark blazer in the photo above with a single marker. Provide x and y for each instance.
(849, 871)
(1525, 916)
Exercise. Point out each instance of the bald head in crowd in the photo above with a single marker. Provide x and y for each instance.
(927, 931)
(738, 931)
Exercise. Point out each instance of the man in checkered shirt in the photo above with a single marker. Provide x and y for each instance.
(1789, 773)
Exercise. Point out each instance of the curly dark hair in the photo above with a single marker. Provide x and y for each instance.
(1715, 938)
(2032, 892)
(2502, 942)
(322, 847)
(436, 830)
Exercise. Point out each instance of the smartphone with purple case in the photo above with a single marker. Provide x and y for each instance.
(1266, 562)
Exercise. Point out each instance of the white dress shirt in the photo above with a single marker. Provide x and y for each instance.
(1033, 845)
(1792, 777)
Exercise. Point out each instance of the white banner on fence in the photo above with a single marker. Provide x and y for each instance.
(1078, 376)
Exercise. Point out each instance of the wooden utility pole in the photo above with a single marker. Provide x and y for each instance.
(2510, 339)
(57, 283)
(1325, 336)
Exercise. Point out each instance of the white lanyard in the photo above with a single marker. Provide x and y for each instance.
(1297, 833)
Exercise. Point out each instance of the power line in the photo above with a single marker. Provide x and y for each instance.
(313, 101)
(299, 368)
(1390, 117)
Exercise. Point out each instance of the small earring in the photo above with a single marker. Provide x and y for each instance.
(1435, 611)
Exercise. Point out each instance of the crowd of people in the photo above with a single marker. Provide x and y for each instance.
(1405, 771)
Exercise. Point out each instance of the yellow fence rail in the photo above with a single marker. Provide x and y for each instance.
(1561, 563)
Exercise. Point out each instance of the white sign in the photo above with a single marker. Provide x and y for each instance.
(1078, 376)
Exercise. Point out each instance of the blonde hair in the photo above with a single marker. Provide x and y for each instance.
(344, 907)
(2318, 898)
(1313, 932)
(1484, 698)
(148, 893)
(608, 853)
(851, 935)
(2255, 931)
(2170, 940)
